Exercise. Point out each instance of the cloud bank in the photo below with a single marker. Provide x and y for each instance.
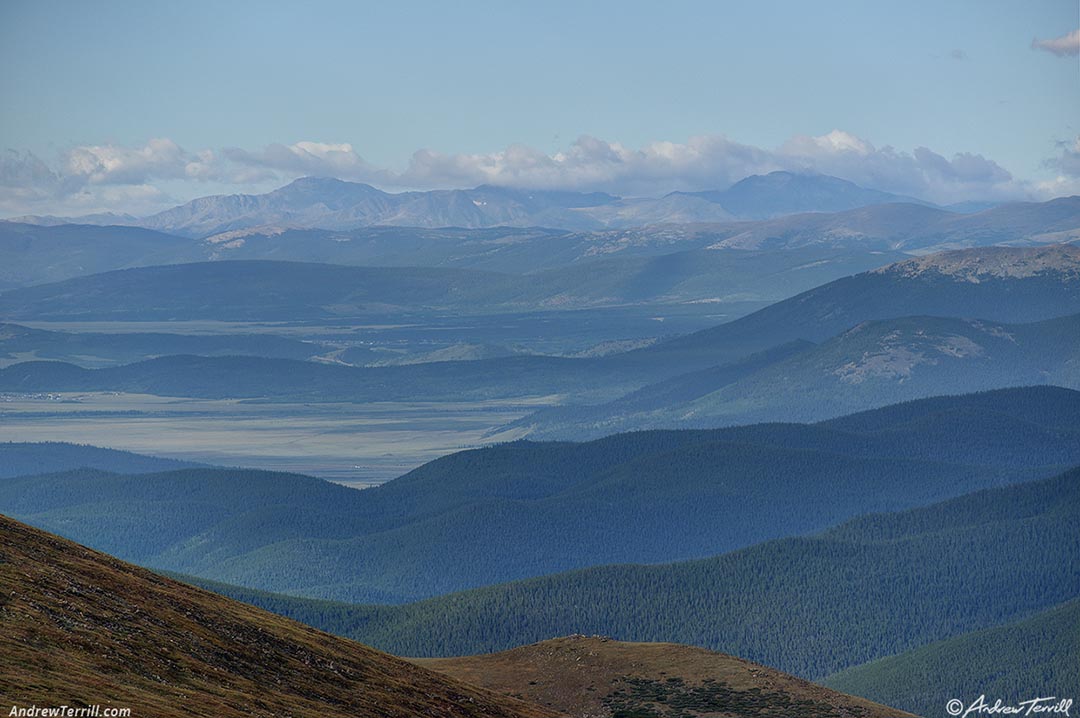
(1065, 46)
(96, 178)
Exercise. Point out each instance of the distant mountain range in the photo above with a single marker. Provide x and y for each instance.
(33, 254)
(335, 204)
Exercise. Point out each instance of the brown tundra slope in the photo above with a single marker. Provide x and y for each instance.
(78, 627)
(602, 678)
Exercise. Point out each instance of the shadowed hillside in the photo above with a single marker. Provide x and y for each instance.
(1011, 662)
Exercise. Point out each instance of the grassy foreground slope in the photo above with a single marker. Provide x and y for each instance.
(81, 628)
(1034, 657)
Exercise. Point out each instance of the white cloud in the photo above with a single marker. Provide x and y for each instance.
(715, 162)
(1068, 162)
(594, 164)
(117, 165)
(96, 177)
(1067, 45)
(835, 142)
(302, 158)
(1067, 166)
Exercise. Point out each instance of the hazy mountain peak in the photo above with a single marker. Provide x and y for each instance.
(326, 185)
(99, 218)
(783, 193)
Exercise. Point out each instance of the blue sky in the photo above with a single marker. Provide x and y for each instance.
(135, 105)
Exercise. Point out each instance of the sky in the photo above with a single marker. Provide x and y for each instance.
(137, 106)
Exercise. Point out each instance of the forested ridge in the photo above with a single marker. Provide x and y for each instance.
(528, 509)
(872, 587)
(1034, 657)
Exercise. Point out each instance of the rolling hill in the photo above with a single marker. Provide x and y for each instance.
(594, 677)
(97, 349)
(783, 193)
(34, 254)
(289, 380)
(256, 290)
(242, 289)
(21, 459)
(1030, 658)
(81, 628)
(873, 364)
(996, 284)
(876, 586)
(527, 509)
(913, 228)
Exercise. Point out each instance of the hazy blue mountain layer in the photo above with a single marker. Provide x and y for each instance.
(282, 291)
(998, 284)
(37, 253)
(336, 204)
(97, 349)
(22, 458)
(873, 364)
(527, 509)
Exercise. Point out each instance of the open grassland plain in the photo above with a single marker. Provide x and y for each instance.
(355, 444)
